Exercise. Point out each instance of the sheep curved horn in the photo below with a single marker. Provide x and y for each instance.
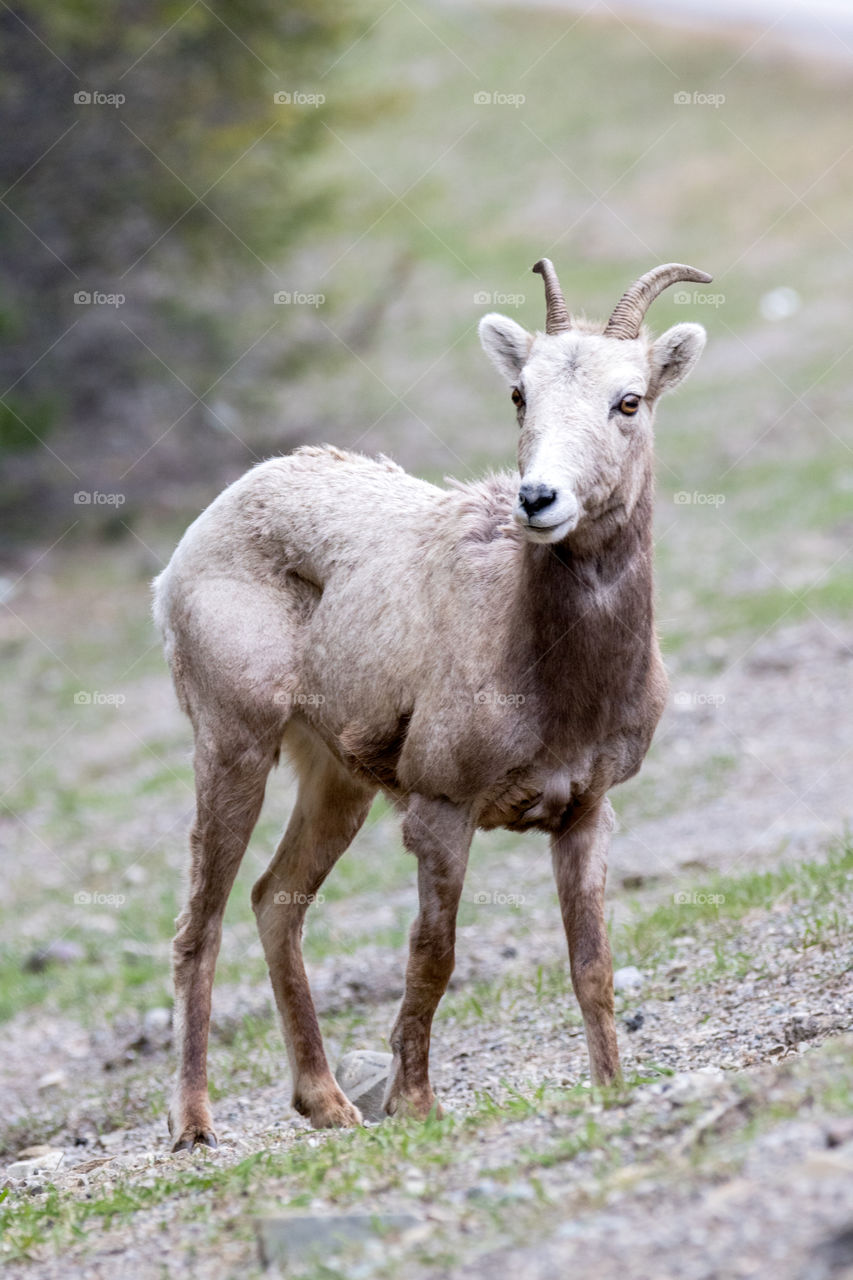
(635, 302)
(557, 318)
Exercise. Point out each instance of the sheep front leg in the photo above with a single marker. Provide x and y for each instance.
(439, 834)
(579, 853)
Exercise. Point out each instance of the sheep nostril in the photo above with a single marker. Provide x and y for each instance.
(535, 497)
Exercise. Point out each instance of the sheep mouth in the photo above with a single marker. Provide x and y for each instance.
(549, 532)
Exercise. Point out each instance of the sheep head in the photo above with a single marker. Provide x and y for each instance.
(585, 397)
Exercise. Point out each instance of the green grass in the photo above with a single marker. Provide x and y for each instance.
(820, 894)
(352, 1168)
(342, 1166)
(476, 220)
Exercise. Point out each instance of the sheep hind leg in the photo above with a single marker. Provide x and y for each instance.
(330, 808)
(230, 782)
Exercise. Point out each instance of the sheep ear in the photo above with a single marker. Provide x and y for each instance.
(506, 344)
(674, 355)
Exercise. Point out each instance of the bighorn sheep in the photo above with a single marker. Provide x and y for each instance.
(372, 625)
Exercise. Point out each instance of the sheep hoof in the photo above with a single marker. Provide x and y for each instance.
(191, 1137)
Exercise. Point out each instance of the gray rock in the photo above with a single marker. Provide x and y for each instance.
(113, 1138)
(627, 979)
(62, 951)
(157, 1021)
(483, 1189)
(286, 1240)
(363, 1076)
(47, 1161)
(52, 1080)
(804, 1026)
(840, 1131)
(692, 1086)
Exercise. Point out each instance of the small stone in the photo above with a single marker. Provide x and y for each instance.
(157, 1021)
(363, 1076)
(691, 1086)
(414, 1183)
(47, 1162)
(298, 1239)
(51, 1080)
(62, 951)
(635, 1021)
(840, 1132)
(111, 1139)
(482, 1190)
(628, 978)
(802, 1026)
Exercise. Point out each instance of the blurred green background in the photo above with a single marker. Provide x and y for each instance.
(388, 187)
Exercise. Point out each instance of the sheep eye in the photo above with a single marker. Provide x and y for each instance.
(517, 398)
(629, 405)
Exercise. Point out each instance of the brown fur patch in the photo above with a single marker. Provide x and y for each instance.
(374, 757)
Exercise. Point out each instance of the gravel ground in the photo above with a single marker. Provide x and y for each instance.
(704, 1032)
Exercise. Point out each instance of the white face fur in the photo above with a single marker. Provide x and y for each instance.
(585, 407)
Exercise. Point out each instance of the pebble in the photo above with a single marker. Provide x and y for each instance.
(46, 1162)
(840, 1131)
(52, 1080)
(111, 1139)
(628, 978)
(157, 1021)
(691, 1086)
(802, 1026)
(62, 951)
(296, 1239)
(363, 1075)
